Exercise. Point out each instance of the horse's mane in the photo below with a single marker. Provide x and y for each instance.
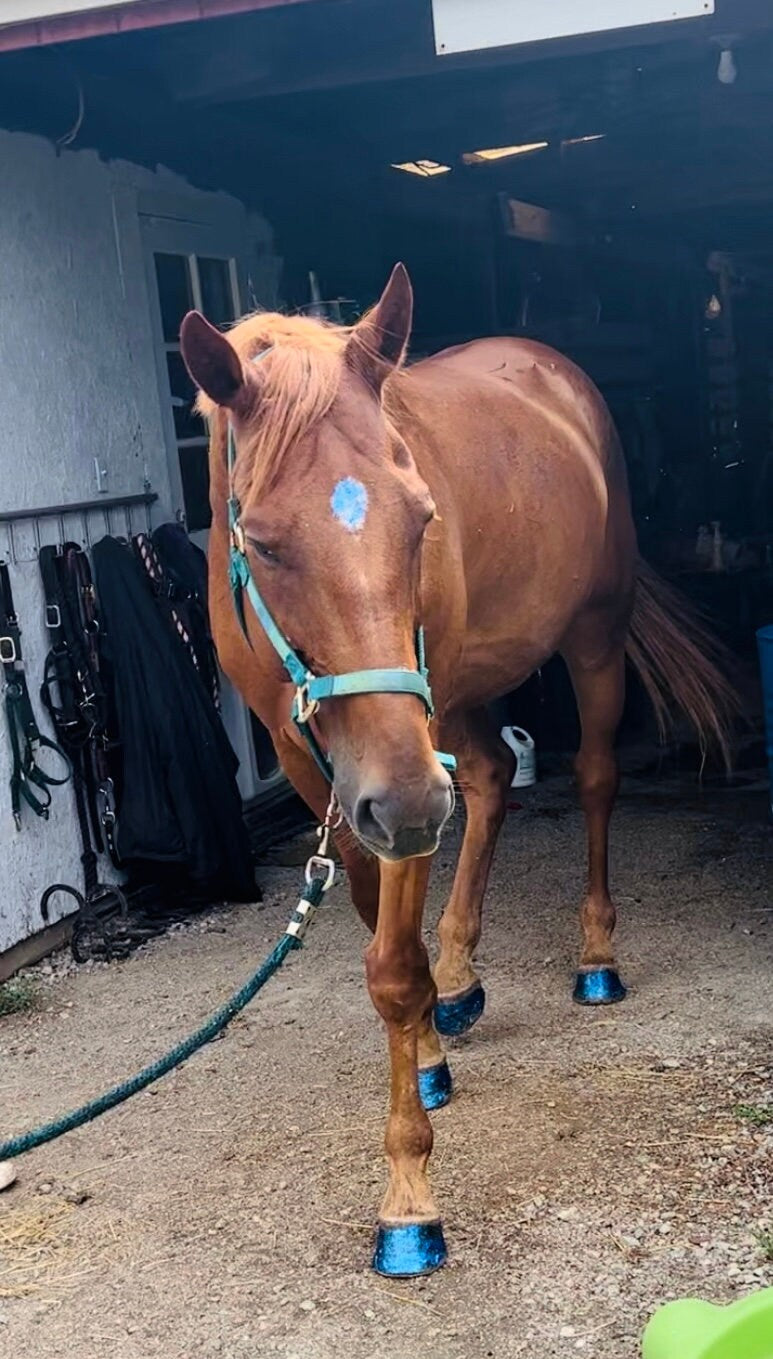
(300, 370)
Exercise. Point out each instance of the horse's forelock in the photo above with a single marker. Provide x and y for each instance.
(299, 378)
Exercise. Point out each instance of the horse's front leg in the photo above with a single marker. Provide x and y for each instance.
(485, 769)
(410, 1236)
(435, 1085)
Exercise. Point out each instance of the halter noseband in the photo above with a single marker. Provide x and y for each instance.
(310, 689)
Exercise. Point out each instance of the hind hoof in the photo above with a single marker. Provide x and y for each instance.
(408, 1250)
(457, 1014)
(436, 1085)
(602, 986)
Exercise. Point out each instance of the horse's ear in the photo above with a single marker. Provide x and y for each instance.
(211, 360)
(378, 342)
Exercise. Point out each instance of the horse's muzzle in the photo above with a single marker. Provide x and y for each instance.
(404, 822)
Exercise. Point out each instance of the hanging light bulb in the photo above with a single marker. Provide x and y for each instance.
(713, 308)
(727, 69)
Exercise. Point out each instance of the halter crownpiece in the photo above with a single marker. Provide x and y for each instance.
(311, 689)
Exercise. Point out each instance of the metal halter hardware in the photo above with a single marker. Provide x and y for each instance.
(310, 689)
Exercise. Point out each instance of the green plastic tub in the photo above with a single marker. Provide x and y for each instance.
(699, 1330)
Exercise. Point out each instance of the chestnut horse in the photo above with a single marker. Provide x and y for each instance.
(481, 494)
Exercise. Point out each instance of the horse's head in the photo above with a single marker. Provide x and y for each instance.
(334, 514)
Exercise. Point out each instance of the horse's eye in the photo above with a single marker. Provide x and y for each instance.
(266, 554)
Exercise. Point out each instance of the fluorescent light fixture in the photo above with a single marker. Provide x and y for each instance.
(424, 168)
(501, 152)
(580, 141)
(464, 26)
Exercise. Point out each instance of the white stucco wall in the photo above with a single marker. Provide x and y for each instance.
(78, 379)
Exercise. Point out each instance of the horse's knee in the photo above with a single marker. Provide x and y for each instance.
(399, 981)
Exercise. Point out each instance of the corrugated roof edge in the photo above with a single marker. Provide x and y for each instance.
(124, 19)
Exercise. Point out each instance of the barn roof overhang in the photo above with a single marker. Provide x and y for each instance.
(41, 24)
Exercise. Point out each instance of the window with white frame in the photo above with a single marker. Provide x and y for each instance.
(209, 283)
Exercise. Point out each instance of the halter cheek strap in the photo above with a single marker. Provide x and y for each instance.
(310, 689)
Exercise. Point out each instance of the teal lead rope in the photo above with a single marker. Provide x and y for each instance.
(292, 939)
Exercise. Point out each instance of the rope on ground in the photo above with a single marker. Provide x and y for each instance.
(291, 940)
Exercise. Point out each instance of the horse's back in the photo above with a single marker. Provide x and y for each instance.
(521, 453)
(541, 379)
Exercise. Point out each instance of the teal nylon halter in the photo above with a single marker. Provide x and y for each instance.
(310, 689)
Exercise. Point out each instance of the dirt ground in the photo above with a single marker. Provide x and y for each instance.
(592, 1165)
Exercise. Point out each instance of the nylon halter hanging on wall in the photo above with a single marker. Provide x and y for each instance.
(310, 689)
(29, 783)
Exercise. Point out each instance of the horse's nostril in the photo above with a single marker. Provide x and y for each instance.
(369, 824)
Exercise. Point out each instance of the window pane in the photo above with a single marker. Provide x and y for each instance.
(174, 291)
(187, 424)
(194, 470)
(216, 294)
(265, 754)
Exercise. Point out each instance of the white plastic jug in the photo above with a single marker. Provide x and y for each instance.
(522, 745)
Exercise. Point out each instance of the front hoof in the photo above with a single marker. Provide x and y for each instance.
(457, 1014)
(436, 1085)
(600, 986)
(408, 1250)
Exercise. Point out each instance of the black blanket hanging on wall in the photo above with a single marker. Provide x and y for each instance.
(180, 802)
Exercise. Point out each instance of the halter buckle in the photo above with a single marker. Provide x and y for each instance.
(8, 652)
(305, 707)
(106, 802)
(53, 616)
(238, 538)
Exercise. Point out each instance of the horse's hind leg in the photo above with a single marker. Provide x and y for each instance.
(485, 769)
(600, 689)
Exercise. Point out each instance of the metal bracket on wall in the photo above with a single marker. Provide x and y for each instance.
(24, 531)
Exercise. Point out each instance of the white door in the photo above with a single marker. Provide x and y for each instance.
(202, 265)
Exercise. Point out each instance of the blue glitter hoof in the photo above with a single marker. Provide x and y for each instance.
(436, 1085)
(458, 1014)
(406, 1250)
(600, 987)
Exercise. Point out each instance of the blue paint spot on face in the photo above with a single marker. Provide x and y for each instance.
(349, 503)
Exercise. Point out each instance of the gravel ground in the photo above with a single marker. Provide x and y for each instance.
(592, 1165)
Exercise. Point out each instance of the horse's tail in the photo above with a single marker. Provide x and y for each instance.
(681, 663)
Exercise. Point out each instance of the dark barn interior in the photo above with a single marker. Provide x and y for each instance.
(601, 1166)
(611, 196)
